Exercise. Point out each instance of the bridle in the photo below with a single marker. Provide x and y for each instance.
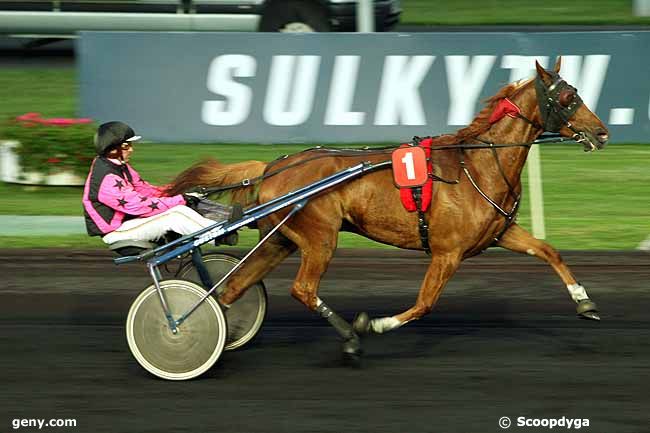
(555, 115)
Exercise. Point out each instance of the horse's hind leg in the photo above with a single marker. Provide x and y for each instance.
(317, 246)
(519, 240)
(267, 257)
(305, 289)
(441, 268)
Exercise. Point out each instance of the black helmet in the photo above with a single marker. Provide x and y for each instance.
(112, 134)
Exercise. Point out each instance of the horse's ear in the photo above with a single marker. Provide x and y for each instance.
(558, 63)
(543, 74)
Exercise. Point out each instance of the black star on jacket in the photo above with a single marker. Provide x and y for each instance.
(115, 192)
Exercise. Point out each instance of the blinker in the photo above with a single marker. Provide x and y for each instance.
(554, 114)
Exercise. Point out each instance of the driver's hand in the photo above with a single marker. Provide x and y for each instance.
(191, 201)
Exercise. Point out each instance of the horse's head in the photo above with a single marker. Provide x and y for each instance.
(562, 110)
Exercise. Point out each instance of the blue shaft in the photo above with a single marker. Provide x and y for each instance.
(261, 211)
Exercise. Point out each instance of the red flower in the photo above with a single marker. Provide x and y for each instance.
(59, 122)
(53, 160)
(32, 119)
(29, 117)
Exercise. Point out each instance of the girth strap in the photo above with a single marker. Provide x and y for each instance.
(423, 227)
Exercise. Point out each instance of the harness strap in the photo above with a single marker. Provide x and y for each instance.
(509, 216)
(531, 122)
(423, 227)
(511, 190)
(509, 220)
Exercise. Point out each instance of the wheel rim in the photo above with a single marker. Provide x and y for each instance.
(197, 345)
(297, 27)
(246, 315)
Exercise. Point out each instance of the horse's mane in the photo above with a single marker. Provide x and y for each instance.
(480, 124)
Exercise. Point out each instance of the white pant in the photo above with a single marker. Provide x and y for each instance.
(179, 219)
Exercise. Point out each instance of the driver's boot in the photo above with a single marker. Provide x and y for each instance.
(236, 214)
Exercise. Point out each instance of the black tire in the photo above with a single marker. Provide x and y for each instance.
(294, 16)
(246, 316)
(199, 342)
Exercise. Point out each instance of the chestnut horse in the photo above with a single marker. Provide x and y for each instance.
(462, 221)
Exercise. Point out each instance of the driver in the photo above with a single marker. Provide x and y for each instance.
(119, 205)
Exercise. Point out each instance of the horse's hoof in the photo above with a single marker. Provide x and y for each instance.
(590, 315)
(361, 324)
(587, 309)
(352, 347)
(352, 352)
(351, 360)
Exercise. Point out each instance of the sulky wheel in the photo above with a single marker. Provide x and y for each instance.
(196, 346)
(246, 315)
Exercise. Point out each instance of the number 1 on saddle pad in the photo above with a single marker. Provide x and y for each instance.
(409, 167)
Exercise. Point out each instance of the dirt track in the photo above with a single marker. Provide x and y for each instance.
(503, 341)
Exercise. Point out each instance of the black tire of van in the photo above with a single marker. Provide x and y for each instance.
(285, 15)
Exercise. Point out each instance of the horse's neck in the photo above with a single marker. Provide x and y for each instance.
(509, 131)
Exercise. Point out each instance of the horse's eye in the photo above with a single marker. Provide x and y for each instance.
(566, 97)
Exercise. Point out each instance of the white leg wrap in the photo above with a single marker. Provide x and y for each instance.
(384, 324)
(577, 292)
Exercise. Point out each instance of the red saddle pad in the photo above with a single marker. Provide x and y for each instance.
(406, 194)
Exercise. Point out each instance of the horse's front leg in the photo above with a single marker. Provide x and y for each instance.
(441, 268)
(519, 240)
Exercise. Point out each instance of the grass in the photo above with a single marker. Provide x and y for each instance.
(595, 200)
(52, 92)
(533, 12)
(592, 201)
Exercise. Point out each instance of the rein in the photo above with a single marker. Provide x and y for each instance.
(328, 152)
(422, 223)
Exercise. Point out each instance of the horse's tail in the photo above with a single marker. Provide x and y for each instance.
(212, 173)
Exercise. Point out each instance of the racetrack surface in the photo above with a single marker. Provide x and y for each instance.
(503, 341)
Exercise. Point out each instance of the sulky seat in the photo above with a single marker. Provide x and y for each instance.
(130, 247)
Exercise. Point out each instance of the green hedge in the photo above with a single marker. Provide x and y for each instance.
(50, 146)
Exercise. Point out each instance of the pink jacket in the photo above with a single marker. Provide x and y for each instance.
(114, 193)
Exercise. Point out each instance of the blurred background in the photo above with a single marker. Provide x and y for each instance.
(132, 60)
